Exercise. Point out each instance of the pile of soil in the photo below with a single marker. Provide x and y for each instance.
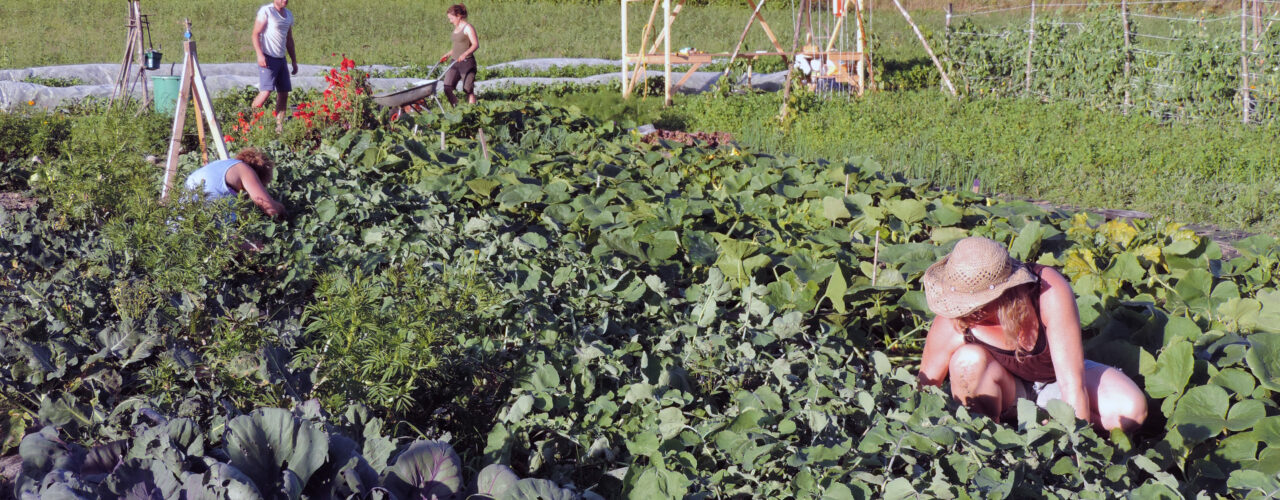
(16, 201)
(708, 139)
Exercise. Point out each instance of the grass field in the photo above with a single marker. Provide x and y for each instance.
(395, 32)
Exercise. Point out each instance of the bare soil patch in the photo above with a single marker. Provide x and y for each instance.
(16, 201)
(709, 139)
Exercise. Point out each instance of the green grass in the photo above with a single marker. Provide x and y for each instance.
(1220, 174)
(388, 32)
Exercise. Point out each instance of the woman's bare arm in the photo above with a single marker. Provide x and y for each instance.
(1061, 320)
(251, 184)
(942, 341)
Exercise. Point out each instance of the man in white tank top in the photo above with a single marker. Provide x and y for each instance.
(272, 39)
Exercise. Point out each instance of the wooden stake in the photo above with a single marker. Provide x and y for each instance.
(1128, 53)
(1244, 62)
(947, 29)
(767, 32)
(179, 119)
(750, 19)
(644, 40)
(795, 43)
(946, 80)
(1031, 42)
(625, 91)
(666, 52)
(204, 151)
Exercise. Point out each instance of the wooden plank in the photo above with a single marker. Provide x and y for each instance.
(736, 48)
(942, 71)
(768, 32)
(175, 139)
(688, 74)
(203, 95)
(644, 40)
(670, 19)
(204, 151)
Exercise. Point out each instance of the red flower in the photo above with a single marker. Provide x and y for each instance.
(228, 138)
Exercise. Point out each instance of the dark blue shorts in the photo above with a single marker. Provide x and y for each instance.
(275, 76)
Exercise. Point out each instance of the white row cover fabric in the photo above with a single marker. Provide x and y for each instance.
(15, 94)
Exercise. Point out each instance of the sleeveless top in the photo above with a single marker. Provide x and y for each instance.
(1033, 366)
(211, 179)
(461, 42)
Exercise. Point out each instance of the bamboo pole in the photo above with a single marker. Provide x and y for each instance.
(1128, 53)
(1244, 62)
(945, 79)
(1031, 42)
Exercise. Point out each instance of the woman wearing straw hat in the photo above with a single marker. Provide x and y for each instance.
(1006, 330)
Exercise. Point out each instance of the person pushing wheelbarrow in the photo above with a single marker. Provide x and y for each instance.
(465, 42)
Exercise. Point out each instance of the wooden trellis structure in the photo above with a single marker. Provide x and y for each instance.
(132, 67)
(834, 62)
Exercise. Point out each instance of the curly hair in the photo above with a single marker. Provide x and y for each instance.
(259, 162)
(457, 9)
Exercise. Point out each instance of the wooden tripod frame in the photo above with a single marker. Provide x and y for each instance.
(191, 88)
(630, 79)
(128, 78)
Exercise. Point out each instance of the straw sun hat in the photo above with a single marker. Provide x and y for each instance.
(977, 271)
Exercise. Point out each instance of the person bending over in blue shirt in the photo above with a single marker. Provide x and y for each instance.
(248, 172)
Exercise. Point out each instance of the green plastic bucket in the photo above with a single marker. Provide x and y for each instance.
(166, 93)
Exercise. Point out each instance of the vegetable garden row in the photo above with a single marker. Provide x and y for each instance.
(598, 315)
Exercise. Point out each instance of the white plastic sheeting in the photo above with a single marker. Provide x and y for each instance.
(99, 78)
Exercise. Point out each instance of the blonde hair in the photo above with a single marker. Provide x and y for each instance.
(1018, 316)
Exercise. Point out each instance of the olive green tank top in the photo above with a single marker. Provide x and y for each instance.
(460, 42)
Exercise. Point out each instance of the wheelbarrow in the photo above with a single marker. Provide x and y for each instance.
(413, 99)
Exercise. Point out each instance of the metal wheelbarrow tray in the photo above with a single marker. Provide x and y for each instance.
(421, 90)
(411, 99)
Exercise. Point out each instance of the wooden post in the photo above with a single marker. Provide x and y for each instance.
(945, 79)
(625, 91)
(795, 43)
(1244, 62)
(1257, 23)
(179, 119)
(949, 11)
(1128, 53)
(666, 52)
(862, 50)
(644, 41)
(750, 19)
(1031, 41)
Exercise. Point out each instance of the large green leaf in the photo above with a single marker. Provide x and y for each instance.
(1263, 359)
(1169, 374)
(270, 443)
(423, 470)
(1201, 413)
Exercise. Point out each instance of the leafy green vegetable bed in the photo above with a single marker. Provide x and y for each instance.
(619, 318)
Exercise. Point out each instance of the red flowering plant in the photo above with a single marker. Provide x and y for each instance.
(344, 104)
(249, 128)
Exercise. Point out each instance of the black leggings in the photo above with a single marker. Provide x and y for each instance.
(464, 70)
